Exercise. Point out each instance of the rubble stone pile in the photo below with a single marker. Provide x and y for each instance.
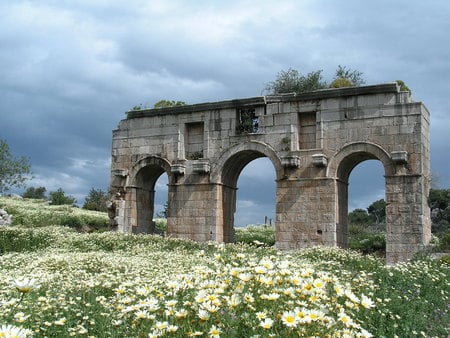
(5, 218)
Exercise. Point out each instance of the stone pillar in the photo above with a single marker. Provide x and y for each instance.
(216, 219)
(305, 213)
(130, 210)
(408, 225)
(121, 219)
(342, 214)
(191, 208)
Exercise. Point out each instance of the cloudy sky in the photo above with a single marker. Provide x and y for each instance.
(69, 70)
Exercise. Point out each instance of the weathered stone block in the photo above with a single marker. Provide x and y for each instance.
(399, 156)
(319, 160)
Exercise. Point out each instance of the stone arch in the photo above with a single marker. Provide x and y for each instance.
(151, 165)
(226, 173)
(341, 165)
(141, 196)
(250, 150)
(349, 156)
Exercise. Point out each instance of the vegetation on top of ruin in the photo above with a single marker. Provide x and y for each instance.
(161, 104)
(292, 81)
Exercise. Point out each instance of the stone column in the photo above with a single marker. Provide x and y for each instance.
(342, 214)
(120, 218)
(305, 213)
(190, 215)
(408, 226)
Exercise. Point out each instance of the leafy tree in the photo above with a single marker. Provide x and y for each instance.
(13, 171)
(439, 202)
(291, 81)
(96, 200)
(439, 198)
(36, 193)
(353, 76)
(359, 216)
(168, 103)
(164, 213)
(378, 211)
(58, 197)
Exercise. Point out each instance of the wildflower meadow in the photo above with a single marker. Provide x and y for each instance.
(57, 282)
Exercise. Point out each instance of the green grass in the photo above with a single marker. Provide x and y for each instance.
(106, 284)
(256, 235)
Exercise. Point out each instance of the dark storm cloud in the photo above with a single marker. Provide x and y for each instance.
(70, 69)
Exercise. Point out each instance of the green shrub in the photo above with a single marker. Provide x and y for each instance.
(369, 243)
(403, 86)
(71, 221)
(341, 83)
(444, 244)
(58, 197)
(161, 225)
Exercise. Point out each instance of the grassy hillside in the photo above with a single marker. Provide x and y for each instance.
(107, 284)
(36, 213)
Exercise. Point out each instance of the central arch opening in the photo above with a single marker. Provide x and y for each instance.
(367, 208)
(360, 183)
(256, 190)
(255, 201)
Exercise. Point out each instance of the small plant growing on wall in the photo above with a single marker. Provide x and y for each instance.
(403, 86)
(195, 156)
(285, 141)
(248, 122)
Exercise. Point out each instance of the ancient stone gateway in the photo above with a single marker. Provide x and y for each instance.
(313, 140)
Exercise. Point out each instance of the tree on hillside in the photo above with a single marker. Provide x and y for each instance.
(36, 193)
(96, 200)
(13, 171)
(359, 216)
(375, 214)
(378, 211)
(439, 198)
(439, 202)
(59, 197)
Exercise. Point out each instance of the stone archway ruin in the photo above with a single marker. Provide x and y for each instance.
(314, 140)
